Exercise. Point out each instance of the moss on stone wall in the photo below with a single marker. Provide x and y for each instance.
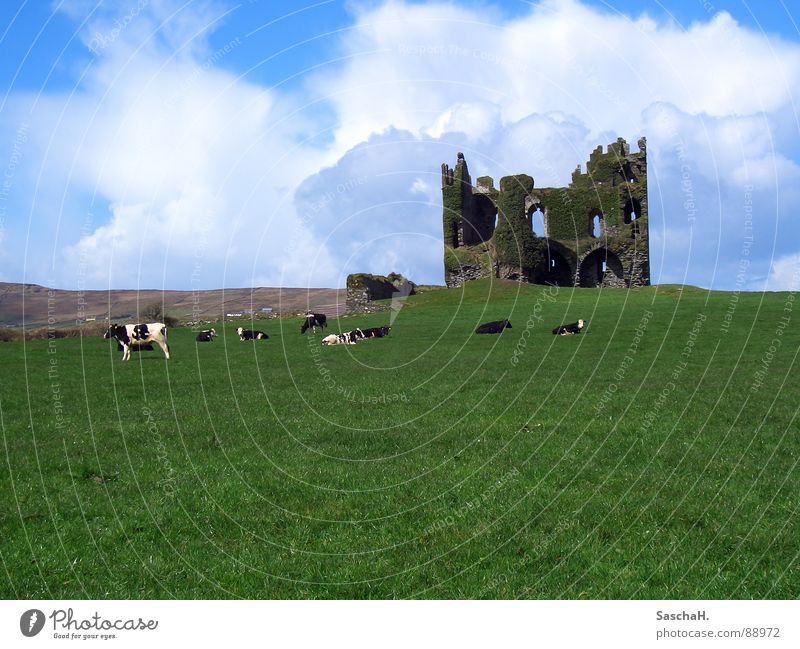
(453, 204)
(614, 177)
(569, 212)
(514, 241)
(456, 258)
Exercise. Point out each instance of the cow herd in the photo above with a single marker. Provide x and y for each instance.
(136, 337)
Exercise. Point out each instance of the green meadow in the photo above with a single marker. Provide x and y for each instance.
(653, 456)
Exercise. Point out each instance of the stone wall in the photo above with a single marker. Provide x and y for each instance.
(465, 273)
(363, 289)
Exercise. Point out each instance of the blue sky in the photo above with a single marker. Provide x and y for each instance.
(175, 144)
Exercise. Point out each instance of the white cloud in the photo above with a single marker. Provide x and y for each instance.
(197, 166)
(190, 158)
(784, 274)
(424, 60)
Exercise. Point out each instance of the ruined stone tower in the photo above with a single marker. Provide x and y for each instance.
(594, 232)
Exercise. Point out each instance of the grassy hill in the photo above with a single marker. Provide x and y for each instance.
(654, 456)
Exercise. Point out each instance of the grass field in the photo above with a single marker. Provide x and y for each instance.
(654, 456)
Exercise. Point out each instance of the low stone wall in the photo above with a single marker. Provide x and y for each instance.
(363, 289)
(464, 274)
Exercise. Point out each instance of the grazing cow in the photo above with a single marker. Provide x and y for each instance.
(373, 332)
(312, 321)
(569, 329)
(251, 334)
(346, 338)
(138, 336)
(495, 327)
(206, 336)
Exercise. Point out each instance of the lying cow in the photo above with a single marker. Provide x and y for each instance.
(346, 338)
(206, 336)
(569, 329)
(372, 332)
(138, 336)
(495, 327)
(312, 321)
(251, 334)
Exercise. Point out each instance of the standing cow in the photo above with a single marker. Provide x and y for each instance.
(312, 321)
(139, 335)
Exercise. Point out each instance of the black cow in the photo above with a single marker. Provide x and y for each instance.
(495, 327)
(373, 332)
(312, 321)
(569, 329)
(206, 336)
(251, 334)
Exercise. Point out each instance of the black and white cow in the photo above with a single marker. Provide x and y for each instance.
(314, 320)
(569, 329)
(206, 336)
(372, 332)
(346, 338)
(251, 334)
(139, 336)
(495, 327)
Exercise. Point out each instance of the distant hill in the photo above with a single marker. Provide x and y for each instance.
(32, 305)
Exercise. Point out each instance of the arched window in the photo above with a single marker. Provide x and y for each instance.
(631, 211)
(596, 224)
(537, 223)
(601, 268)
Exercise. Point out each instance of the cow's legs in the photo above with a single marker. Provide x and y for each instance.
(164, 347)
(126, 352)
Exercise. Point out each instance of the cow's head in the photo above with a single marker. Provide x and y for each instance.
(307, 323)
(507, 324)
(111, 332)
(240, 330)
(212, 332)
(581, 324)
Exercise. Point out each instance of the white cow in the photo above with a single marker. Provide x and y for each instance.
(347, 338)
(138, 335)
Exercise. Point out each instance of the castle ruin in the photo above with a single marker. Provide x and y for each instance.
(592, 233)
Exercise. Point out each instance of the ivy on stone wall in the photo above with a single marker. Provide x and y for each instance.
(613, 177)
(514, 240)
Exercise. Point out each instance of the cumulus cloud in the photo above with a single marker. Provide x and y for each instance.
(186, 168)
(784, 275)
(537, 93)
(185, 171)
